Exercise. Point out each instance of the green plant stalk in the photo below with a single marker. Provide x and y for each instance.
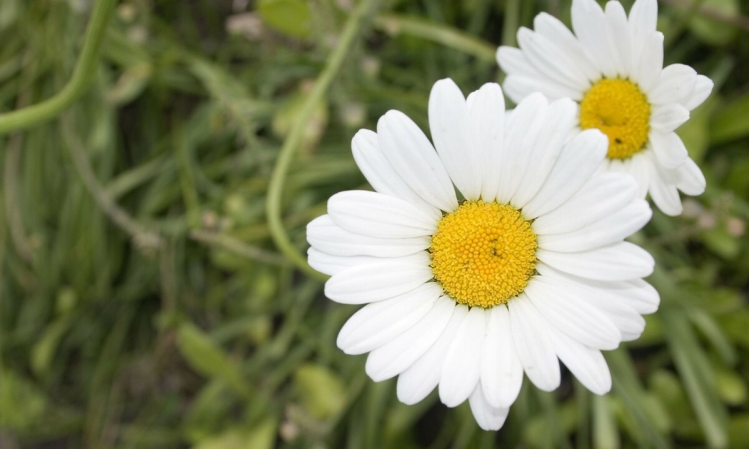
(291, 144)
(442, 34)
(84, 70)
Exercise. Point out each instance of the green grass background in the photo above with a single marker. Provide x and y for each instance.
(143, 303)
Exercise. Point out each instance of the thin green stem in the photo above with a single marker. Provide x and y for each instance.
(291, 144)
(442, 34)
(84, 69)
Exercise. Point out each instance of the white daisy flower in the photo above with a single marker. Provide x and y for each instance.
(613, 67)
(466, 295)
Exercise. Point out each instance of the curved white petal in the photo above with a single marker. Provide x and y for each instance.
(589, 23)
(517, 87)
(619, 38)
(380, 174)
(326, 236)
(587, 364)
(462, 367)
(415, 383)
(533, 345)
(545, 56)
(643, 18)
(611, 229)
(378, 215)
(702, 88)
(487, 416)
(618, 262)
(513, 62)
(578, 161)
(412, 156)
(501, 371)
(602, 195)
(668, 117)
(523, 127)
(663, 189)
(689, 179)
(638, 168)
(454, 137)
(646, 69)
(330, 264)
(487, 111)
(378, 323)
(555, 31)
(377, 281)
(401, 352)
(571, 314)
(676, 82)
(668, 148)
(557, 127)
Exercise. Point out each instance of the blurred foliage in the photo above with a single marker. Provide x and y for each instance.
(143, 304)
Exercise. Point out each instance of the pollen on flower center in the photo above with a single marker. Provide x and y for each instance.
(483, 254)
(621, 111)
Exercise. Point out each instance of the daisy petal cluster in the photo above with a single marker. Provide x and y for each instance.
(613, 67)
(525, 265)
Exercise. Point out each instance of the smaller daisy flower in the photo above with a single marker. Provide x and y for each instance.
(613, 67)
(528, 268)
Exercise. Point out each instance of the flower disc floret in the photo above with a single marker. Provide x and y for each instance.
(483, 254)
(620, 110)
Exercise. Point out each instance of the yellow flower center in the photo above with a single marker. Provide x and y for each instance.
(621, 111)
(483, 254)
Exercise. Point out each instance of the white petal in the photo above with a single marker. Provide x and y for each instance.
(415, 383)
(599, 197)
(330, 265)
(487, 416)
(571, 314)
(517, 87)
(378, 323)
(454, 137)
(578, 161)
(377, 281)
(401, 352)
(618, 262)
(587, 364)
(668, 149)
(676, 82)
(619, 37)
(666, 118)
(638, 167)
(412, 156)
(648, 63)
(544, 55)
(556, 129)
(501, 371)
(462, 368)
(330, 238)
(522, 130)
(513, 62)
(636, 294)
(554, 30)
(689, 179)
(663, 189)
(589, 24)
(530, 332)
(378, 215)
(380, 174)
(612, 229)
(701, 91)
(644, 16)
(488, 114)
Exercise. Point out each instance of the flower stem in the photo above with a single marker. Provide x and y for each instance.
(84, 70)
(291, 144)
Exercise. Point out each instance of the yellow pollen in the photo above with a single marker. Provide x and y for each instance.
(483, 254)
(621, 111)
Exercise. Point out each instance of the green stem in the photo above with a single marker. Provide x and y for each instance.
(291, 144)
(84, 69)
(442, 34)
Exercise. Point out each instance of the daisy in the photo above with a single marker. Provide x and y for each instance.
(613, 67)
(466, 294)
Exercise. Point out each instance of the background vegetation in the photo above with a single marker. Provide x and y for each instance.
(144, 304)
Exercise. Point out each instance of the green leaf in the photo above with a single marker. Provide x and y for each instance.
(207, 358)
(261, 436)
(291, 17)
(731, 122)
(321, 391)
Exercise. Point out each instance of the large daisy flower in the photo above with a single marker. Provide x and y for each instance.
(613, 67)
(467, 294)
